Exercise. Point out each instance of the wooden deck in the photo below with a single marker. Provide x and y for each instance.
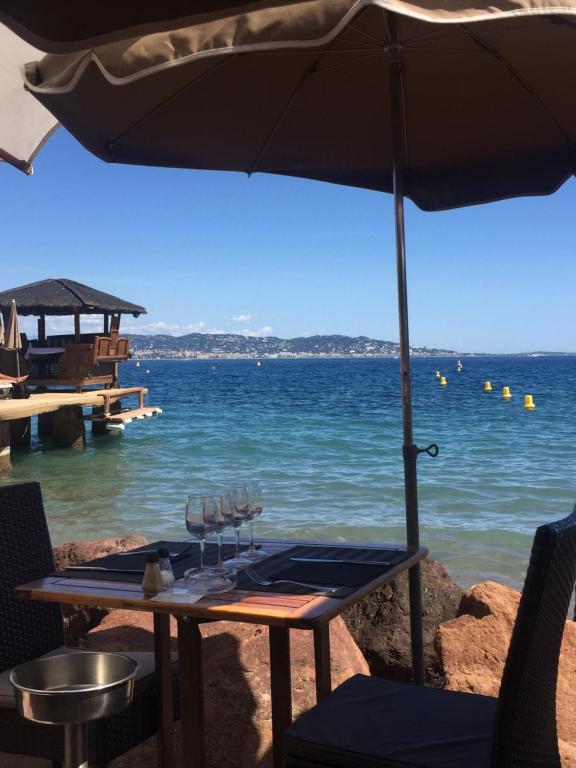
(46, 402)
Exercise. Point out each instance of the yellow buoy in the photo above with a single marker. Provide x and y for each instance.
(443, 381)
(529, 402)
(487, 386)
(437, 374)
(506, 394)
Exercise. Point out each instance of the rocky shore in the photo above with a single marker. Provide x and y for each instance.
(466, 637)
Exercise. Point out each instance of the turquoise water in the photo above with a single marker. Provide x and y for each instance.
(324, 437)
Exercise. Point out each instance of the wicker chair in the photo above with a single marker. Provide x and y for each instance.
(29, 629)
(374, 722)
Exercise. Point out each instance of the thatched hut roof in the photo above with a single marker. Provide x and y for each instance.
(65, 297)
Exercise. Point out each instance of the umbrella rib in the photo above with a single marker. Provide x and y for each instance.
(518, 77)
(111, 144)
(371, 38)
(309, 73)
(349, 63)
(433, 37)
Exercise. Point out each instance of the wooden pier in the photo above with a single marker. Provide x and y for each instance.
(61, 415)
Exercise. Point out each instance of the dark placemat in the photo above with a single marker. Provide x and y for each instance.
(349, 576)
(137, 561)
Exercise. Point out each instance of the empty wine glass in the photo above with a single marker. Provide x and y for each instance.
(240, 513)
(200, 522)
(224, 516)
(256, 505)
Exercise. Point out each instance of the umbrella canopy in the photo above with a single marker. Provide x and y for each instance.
(65, 297)
(448, 104)
(25, 123)
(13, 339)
(60, 26)
(302, 88)
(1, 330)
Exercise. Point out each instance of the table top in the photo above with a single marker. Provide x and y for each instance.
(298, 611)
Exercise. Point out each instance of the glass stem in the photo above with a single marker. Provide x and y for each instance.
(202, 542)
(251, 548)
(237, 529)
(219, 549)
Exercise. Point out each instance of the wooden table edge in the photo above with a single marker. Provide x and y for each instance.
(314, 611)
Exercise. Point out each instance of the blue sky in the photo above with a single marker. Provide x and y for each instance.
(223, 253)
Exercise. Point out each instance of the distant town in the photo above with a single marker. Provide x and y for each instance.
(208, 346)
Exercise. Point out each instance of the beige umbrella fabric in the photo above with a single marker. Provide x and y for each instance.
(1, 330)
(302, 89)
(25, 124)
(13, 338)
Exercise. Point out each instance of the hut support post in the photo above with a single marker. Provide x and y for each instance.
(20, 432)
(45, 424)
(68, 429)
(42, 328)
(106, 328)
(76, 327)
(5, 460)
(99, 427)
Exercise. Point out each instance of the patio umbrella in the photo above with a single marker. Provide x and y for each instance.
(1, 330)
(25, 123)
(13, 339)
(447, 104)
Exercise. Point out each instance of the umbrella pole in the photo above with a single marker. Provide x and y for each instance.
(409, 450)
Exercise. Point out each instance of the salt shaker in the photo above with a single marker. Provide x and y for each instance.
(166, 568)
(152, 583)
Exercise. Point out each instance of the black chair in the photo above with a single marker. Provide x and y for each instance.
(30, 629)
(370, 721)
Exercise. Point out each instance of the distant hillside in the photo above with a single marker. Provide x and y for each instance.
(235, 345)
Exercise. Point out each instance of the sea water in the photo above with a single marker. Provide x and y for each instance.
(324, 437)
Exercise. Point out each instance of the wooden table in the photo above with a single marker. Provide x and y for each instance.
(279, 612)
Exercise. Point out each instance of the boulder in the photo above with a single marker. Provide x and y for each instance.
(380, 623)
(77, 552)
(79, 620)
(472, 649)
(236, 683)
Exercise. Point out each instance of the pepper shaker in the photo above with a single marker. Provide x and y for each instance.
(152, 583)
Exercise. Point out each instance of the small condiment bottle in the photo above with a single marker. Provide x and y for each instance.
(152, 583)
(165, 568)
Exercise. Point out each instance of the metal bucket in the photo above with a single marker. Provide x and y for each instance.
(71, 690)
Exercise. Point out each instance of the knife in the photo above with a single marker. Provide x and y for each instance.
(328, 560)
(100, 568)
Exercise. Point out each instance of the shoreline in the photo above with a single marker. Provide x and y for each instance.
(420, 356)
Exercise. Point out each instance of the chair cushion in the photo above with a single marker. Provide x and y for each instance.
(369, 721)
(144, 659)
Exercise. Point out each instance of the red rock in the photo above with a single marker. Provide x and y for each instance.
(473, 648)
(236, 683)
(79, 620)
(77, 552)
(380, 623)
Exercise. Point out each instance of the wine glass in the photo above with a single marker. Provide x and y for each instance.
(240, 513)
(256, 505)
(200, 522)
(224, 516)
